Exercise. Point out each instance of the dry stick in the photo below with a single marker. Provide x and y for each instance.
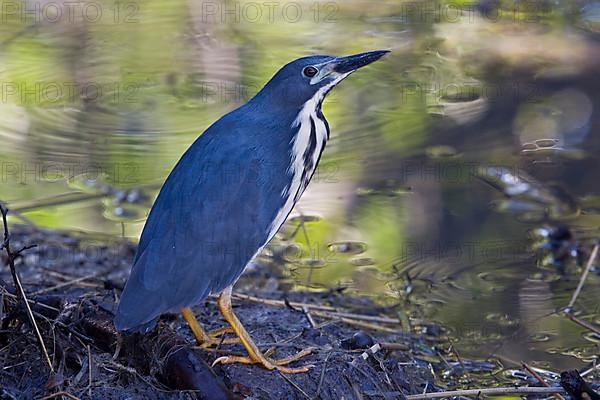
(309, 317)
(133, 372)
(61, 275)
(318, 310)
(520, 364)
(322, 378)
(291, 382)
(60, 394)
(394, 346)
(89, 370)
(66, 198)
(65, 284)
(487, 391)
(441, 356)
(586, 271)
(589, 370)
(460, 361)
(281, 303)
(585, 324)
(34, 302)
(46, 306)
(19, 287)
(311, 266)
(361, 317)
(362, 324)
(57, 200)
(347, 318)
(538, 377)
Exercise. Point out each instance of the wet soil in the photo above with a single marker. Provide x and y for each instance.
(73, 283)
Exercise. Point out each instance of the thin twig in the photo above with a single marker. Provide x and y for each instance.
(60, 394)
(534, 374)
(281, 303)
(394, 346)
(591, 369)
(487, 391)
(322, 378)
(538, 377)
(55, 322)
(312, 267)
(57, 200)
(309, 317)
(34, 302)
(505, 359)
(361, 317)
(586, 271)
(64, 284)
(19, 288)
(89, 370)
(291, 382)
(362, 324)
(584, 324)
(133, 372)
(460, 361)
(330, 313)
(441, 356)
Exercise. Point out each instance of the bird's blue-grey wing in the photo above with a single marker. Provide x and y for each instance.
(206, 224)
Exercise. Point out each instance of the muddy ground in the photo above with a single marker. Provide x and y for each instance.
(73, 283)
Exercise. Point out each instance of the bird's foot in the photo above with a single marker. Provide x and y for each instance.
(269, 363)
(210, 339)
(215, 341)
(215, 338)
(220, 332)
(255, 355)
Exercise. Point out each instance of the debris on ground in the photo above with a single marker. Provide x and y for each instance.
(73, 283)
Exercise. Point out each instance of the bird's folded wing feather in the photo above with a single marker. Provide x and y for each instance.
(211, 216)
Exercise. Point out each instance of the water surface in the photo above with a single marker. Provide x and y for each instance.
(453, 162)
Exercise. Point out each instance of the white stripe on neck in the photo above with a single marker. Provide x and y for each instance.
(300, 143)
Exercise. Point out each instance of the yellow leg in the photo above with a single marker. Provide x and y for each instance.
(199, 333)
(255, 356)
(205, 339)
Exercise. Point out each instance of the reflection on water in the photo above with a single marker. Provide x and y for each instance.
(459, 184)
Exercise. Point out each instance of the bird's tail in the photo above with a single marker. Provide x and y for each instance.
(138, 309)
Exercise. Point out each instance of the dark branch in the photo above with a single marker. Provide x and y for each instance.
(12, 256)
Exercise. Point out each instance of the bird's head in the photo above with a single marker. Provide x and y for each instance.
(311, 78)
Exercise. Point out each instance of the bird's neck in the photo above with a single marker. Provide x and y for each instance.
(310, 132)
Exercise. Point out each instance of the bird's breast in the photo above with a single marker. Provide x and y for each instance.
(312, 132)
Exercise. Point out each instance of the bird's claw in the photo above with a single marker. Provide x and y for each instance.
(270, 364)
(220, 332)
(215, 338)
(214, 342)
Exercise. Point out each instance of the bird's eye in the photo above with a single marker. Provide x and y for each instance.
(310, 71)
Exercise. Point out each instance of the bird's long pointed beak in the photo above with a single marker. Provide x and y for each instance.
(347, 64)
(343, 66)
